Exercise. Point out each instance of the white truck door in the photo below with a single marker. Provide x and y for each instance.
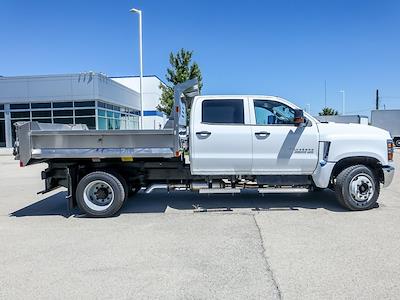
(279, 145)
(221, 141)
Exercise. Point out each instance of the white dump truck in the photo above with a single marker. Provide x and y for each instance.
(231, 143)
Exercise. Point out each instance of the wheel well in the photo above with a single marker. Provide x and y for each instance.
(130, 175)
(370, 162)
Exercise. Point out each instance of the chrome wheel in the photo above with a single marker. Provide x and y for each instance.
(361, 188)
(98, 195)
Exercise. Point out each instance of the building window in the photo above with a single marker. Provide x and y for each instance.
(63, 113)
(42, 120)
(89, 121)
(102, 113)
(19, 106)
(41, 105)
(117, 124)
(41, 114)
(20, 114)
(63, 120)
(109, 117)
(62, 104)
(102, 123)
(85, 112)
(110, 124)
(84, 103)
(114, 119)
(2, 133)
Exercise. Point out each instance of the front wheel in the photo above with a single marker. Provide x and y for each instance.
(100, 194)
(396, 141)
(357, 188)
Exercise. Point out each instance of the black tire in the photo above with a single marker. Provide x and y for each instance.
(123, 182)
(105, 205)
(349, 177)
(396, 142)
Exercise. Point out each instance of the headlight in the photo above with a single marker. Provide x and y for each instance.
(390, 150)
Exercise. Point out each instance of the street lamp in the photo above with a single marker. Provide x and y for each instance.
(139, 12)
(343, 101)
(308, 108)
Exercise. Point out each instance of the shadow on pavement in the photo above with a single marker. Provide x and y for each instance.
(158, 202)
(54, 205)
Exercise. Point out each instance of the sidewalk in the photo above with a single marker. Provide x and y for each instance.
(6, 151)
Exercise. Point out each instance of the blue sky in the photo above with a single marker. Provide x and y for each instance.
(285, 48)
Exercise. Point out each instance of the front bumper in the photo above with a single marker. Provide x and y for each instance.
(388, 174)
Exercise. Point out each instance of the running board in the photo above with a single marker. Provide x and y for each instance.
(282, 190)
(260, 190)
(219, 191)
(283, 180)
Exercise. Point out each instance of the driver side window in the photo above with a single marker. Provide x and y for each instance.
(270, 112)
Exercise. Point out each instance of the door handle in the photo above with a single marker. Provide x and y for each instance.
(262, 134)
(203, 133)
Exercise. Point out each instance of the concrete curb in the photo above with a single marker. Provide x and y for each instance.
(6, 151)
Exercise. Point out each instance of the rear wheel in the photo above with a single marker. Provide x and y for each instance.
(357, 188)
(100, 194)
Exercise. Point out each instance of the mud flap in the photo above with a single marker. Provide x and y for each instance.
(71, 194)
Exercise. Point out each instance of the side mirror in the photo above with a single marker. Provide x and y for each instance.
(299, 117)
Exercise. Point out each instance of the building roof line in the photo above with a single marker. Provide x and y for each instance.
(74, 74)
(137, 76)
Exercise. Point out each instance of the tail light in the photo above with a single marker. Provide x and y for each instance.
(390, 150)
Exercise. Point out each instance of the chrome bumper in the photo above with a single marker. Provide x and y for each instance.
(388, 174)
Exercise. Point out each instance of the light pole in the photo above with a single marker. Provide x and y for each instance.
(308, 108)
(139, 12)
(343, 101)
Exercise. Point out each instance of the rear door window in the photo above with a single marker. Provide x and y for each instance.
(226, 111)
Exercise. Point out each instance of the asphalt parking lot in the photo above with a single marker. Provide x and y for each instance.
(291, 246)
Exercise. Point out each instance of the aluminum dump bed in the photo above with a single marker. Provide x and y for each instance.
(37, 142)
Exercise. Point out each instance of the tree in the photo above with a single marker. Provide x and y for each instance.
(182, 69)
(327, 111)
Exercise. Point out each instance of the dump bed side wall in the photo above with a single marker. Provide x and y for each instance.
(38, 145)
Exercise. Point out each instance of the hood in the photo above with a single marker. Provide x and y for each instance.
(329, 131)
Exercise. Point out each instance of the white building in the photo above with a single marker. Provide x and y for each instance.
(86, 98)
(153, 119)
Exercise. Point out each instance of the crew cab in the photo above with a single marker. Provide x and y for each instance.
(230, 143)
